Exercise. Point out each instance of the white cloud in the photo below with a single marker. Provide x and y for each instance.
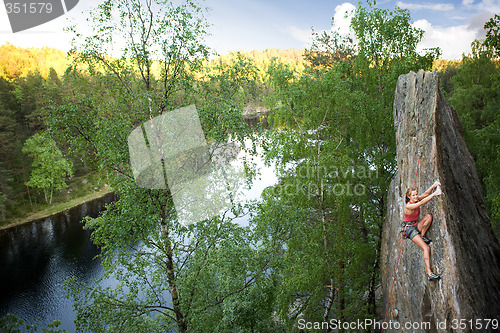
(476, 23)
(341, 24)
(302, 35)
(426, 6)
(342, 18)
(492, 6)
(453, 41)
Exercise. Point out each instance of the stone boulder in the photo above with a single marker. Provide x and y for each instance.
(465, 250)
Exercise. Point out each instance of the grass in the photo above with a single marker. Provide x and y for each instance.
(80, 189)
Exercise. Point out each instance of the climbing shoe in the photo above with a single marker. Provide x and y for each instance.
(426, 240)
(434, 277)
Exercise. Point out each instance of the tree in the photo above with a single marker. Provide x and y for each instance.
(11, 136)
(477, 101)
(492, 40)
(447, 69)
(5, 188)
(387, 43)
(170, 276)
(335, 149)
(8, 146)
(320, 210)
(16, 62)
(329, 49)
(30, 95)
(50, 168)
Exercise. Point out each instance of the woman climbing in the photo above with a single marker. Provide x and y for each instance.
(416, 229)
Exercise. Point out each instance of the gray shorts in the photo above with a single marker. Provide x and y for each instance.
(411, 231)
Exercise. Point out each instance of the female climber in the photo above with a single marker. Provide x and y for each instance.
(416, 229)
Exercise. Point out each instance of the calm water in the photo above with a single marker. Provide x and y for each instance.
(36, 258)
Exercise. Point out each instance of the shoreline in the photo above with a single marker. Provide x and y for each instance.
(64, 207)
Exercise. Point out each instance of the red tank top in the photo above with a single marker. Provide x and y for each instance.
(413, 216)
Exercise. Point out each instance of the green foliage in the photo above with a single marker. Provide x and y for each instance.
(387, 43)
(13, 324)
(10, 147)
(334, 147)
(150, 31)
(170, 277)
(447, 69)
(222, 93)
(263, 59)
(477, 100)
(50, 168)
(384, 34)
(329, 49)
(21, 101)
(30, 95)
(213, 260)
(8, 127)
(311, 250)
(315, 212)
(492, 40)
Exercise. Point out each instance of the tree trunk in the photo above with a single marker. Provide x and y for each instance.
(51, 192)
(372, 306)
(329, 304)
(29, 196)
(181, 323)
(340, 284)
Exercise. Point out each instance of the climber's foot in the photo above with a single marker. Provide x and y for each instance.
(433, 277)
(426, 240)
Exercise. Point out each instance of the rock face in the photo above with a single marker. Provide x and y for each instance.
(464, 250)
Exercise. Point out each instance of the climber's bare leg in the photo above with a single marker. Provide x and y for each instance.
(424, 224)
(426, 250)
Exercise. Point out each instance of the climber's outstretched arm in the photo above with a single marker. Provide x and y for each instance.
(424, 200)
(429, 190)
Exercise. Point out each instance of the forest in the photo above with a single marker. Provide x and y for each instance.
(311, 249)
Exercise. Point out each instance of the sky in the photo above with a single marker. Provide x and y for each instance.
(242, 25)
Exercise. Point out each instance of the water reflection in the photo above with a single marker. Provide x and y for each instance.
(36, 258)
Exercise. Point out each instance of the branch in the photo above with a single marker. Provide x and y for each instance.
(124, 83)
(246, 285)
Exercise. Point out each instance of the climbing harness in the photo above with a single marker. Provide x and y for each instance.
(410, 230)
(401, 246)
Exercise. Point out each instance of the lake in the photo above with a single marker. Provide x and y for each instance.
(36, 258)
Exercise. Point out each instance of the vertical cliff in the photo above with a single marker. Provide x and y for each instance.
(464, 250)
